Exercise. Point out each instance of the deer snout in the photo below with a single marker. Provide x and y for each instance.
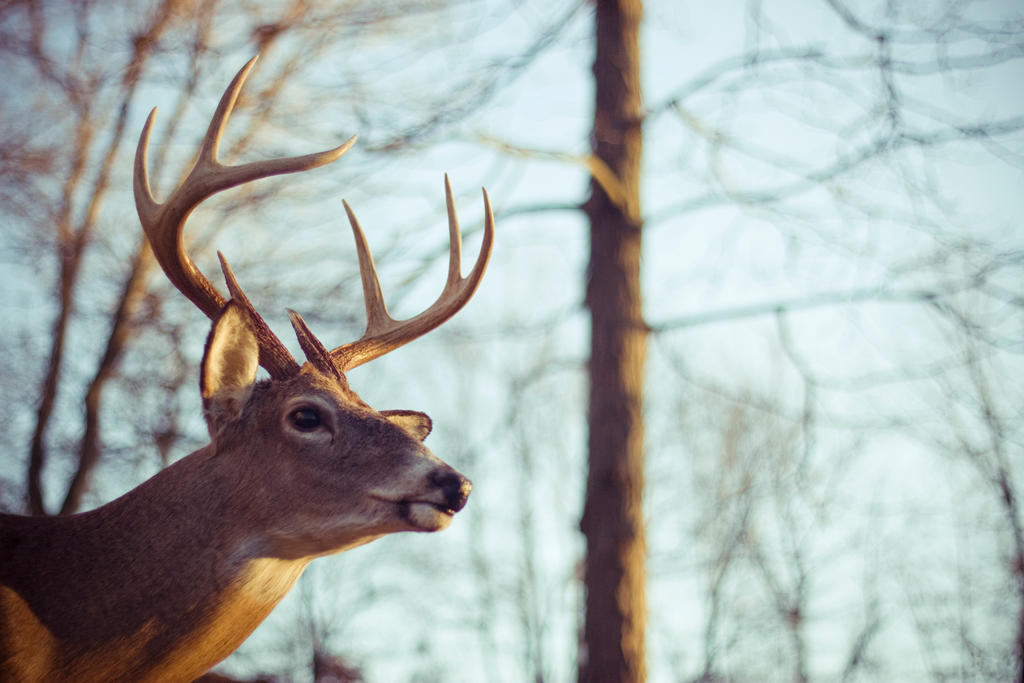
(454, 487)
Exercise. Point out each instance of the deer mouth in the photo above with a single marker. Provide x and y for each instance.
(425, 515)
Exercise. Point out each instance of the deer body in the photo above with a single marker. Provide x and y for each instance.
(146, 607)
(170, 578)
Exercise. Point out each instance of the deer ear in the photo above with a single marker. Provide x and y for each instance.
(229, 366)
(416, 423)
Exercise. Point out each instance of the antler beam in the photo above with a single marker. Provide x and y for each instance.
(164, 223)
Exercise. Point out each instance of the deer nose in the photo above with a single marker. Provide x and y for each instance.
(454, 487)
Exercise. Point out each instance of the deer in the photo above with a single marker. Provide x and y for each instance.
(167, 580)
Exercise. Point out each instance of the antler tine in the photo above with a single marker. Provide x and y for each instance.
(164, 223)
(274, 355)
(384, 333)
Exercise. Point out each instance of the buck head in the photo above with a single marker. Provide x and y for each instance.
(328, 471)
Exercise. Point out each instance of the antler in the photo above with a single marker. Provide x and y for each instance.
(164, 223)
(384, 333)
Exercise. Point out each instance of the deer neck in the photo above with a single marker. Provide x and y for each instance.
(180, 579)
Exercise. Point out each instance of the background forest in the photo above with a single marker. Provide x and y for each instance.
(833, 301)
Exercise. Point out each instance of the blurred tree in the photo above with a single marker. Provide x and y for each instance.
(613, 521)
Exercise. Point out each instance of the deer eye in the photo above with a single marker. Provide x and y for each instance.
(305, 419)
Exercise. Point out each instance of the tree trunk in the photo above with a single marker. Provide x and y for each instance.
(613, 633)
